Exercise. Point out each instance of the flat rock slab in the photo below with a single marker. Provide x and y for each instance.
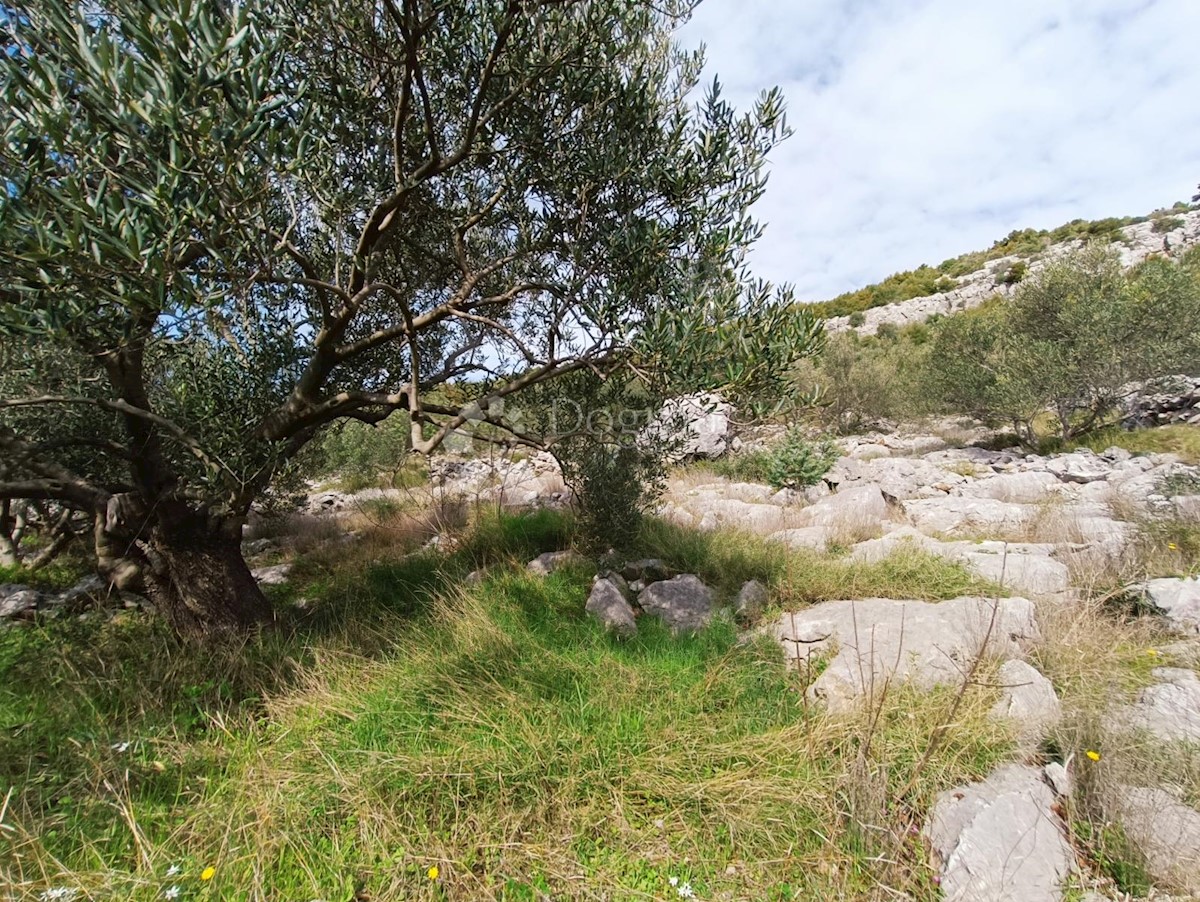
(683, 603)
(1023, 566)
(1165, 831)
(999, 840)
(274, 575)
(1170, 709)
(1176, 599)
(875, 641)
(857, 507)
(954, 515)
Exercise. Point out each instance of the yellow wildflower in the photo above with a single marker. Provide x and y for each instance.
(1095, 756)
(433, 872)
(1152, 652)
(1172, 546)
(208, 873)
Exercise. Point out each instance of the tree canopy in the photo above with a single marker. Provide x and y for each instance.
(228, 225)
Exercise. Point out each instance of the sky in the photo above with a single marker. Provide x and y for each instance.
(929, 128)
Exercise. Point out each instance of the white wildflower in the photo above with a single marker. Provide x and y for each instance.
(686, 892)
(172, 893)
(674, 881)
(120, 746)
(173, 870)
(59, 894)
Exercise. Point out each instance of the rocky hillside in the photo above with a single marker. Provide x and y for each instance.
(1134, 242)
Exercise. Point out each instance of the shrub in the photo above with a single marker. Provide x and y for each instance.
(1069, 341)
(1165, 224)
(614, 483)
(798, 462)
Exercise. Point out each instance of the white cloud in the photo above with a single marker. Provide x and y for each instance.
(928, 128)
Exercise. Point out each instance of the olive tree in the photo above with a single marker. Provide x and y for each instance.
(1074, 340)
(230, 225)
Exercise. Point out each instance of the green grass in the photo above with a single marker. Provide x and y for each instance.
(495, 733)
(1182, 439)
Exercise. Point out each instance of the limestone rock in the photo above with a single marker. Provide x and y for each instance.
(647, 570)
(1178, 600)
(1165, 831)
(816, 538)
(608, 604)
(1028, 701)
(683, 603)
(751, 601)
(1170, 709)
(999, 840)
(701, 424)
(545, 564)
(275, 575)
(957, 516)
(858, 507)
(17, 600)
(880, 641)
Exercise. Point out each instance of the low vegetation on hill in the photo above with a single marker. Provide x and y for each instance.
(1054, 361)
(926, 280)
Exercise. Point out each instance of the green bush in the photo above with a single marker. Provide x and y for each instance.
(795, 462)
(615, 483)
(1069, 341)
(1165, 224)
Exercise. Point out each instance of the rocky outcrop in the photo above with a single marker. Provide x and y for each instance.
(1178, 600)
(1171, 399)
(683, 603)
(1000, 840)
(876, 642)
(1135, 243)
(1165, 831)
(695, 426)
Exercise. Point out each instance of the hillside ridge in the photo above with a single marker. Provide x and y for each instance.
(1000, 276)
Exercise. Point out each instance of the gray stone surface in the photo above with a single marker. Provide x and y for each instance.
(858, 507)
(1027, 700)
(954, 515)
(1165, 831)
(877, 641)
(646, 570)
(701, 423)
(274, 575)
(683, 603)
(1178, 600)
(999, 840)
(545, 564)
(608, 604)
(751, 601)
(16, 600)
(1170, 709)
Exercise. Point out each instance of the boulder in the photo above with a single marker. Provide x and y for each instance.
(648, 570)
(1000, 840)
(1178, 600)
(1028, 700)
(17, 600)
(816, 538)
(760, 519)
(683, 603)
(608, 604)
(857, 507)
(1165, 831)
(878, 641)
(751, 601)
(700, 423)
(545, 564)
(1079, 466)
(1169, 709)
(275, 575)
(1030, 573)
